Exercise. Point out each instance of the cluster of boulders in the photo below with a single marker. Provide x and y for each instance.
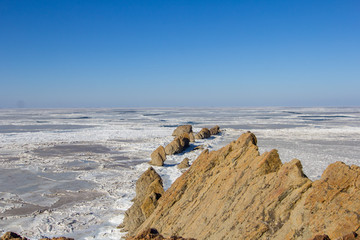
(183, 136)
(15, 236)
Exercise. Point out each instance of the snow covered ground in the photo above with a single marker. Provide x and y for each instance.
(72, 172)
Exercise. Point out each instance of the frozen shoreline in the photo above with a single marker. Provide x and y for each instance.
(78, 181)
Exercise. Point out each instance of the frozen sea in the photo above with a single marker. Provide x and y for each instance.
(72, 172)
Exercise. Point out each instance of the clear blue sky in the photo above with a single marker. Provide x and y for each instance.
(59, 53)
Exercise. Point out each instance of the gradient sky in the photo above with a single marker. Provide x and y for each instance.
(59, 53)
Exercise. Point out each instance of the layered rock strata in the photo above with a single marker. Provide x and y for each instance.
(236, 193)
(149, 189)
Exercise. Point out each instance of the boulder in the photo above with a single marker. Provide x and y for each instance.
(204, 133)
(158, 157)
(184, 164)
(12, 236)
(214, 130)
(235, 191)
(149, 189)
(178, 144)
(182, 129)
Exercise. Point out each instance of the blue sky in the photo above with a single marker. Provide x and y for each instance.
(179, 53)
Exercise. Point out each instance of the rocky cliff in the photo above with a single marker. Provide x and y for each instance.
(236, 193)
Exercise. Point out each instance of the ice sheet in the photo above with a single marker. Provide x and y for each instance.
(72, 172)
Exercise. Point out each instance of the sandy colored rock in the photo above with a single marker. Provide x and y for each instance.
(182, 129)
(192, 137)
(204, 133)
(236, 193)
(158, 157)
(214, 130)
(184, 164)
(178, 144)
(12, 236)
(149, 189)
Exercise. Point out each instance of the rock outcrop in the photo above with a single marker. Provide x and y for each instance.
(184, 164)
(158, 157)
(12, 236)
(149, 189)
(182, 129)
(214, 130)
(153, 234)
(236, 193)
(178, 144)
(204, 133)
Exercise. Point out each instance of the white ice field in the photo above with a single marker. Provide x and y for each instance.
(72, 172)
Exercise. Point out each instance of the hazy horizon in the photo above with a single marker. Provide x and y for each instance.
(125, 54)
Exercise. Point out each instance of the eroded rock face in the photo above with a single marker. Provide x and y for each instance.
(149, 189)
(178, 144)
(182, 129)
(215, 130)
(235, 191)
(158, 157)
(204, 133)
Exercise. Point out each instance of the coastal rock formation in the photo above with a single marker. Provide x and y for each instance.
(158, 157)
(153, 234)
(178, 144)
(184, 164)
(149, 189)
(235, 191)
(182, 129)
(214, 130)
(204, 133)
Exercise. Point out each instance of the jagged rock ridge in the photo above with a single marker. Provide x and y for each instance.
(236, 193)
